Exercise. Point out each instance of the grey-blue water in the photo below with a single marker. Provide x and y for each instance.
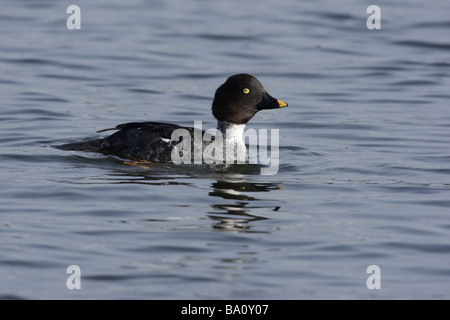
(364, 176)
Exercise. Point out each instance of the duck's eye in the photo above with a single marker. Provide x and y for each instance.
(246, 91)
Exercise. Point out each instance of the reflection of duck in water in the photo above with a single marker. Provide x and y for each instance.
(236, 216)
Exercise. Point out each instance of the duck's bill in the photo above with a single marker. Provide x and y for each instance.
(281, 104)
(269, 102)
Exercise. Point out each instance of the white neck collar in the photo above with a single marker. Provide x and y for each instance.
(233, 139)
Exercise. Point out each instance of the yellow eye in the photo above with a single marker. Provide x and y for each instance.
(246, 90)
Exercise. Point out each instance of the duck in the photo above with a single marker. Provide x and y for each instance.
(235, 103)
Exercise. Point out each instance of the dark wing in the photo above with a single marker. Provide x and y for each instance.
(135, 140)
(142, 141)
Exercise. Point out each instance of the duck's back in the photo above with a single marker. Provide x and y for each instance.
(135, 140)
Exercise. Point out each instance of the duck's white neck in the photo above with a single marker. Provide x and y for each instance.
(233, 141)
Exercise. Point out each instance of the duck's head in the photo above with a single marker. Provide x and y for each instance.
(240, 98)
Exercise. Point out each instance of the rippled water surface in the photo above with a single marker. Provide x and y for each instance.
(364, 176)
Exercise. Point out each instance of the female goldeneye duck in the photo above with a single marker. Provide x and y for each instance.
(235, 102)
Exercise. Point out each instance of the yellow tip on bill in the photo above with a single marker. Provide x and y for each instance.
(281, 104)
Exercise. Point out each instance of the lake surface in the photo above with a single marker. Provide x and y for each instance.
(364, 174)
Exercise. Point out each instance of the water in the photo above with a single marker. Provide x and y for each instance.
(364, 157)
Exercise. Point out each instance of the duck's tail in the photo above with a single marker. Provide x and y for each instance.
(92, 145)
